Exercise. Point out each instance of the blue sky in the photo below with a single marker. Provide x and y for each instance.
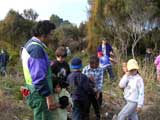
(73, 10)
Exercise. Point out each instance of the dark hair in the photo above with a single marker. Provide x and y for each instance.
(42, 28)
(93, 59)
(56, 82)
(61, 51)
(64, 102)
(61, 83)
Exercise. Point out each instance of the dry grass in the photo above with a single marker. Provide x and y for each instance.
(12, 107)
(11, 104)
(113, 96)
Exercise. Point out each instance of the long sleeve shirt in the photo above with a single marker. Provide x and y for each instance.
(105, 50)
(79, 86)
(35, 59)
(60, 69)
(133, 88)
(97, 74)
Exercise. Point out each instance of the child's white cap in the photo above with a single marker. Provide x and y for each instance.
(132, 64)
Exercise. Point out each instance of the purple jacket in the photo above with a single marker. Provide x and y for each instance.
(108, 49)
(37, 63)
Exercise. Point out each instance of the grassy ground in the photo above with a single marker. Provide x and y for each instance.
(12, 106)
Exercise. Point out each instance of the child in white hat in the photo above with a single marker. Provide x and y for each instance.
(133, 86)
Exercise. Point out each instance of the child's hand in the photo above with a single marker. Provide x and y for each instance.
(124, 67)
(69, 108)
(127, 73)
(97, 95)
(138, 109)
(95, 90)
(91, 78)
(50, 102)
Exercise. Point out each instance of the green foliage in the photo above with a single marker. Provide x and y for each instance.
(14, 29)
(65, 35)
(14, 57)
(59, 21)
(56, 20)
(126, 23)
(83, 29)
(30, 14)
(95, 26)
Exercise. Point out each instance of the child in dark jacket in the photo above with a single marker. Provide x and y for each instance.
(60, 67)
(80, 89)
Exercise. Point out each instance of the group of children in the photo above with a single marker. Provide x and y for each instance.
(84, 86)
(78, 89)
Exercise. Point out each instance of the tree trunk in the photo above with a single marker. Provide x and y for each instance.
(133, 55)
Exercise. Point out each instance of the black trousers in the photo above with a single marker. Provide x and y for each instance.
(96, 103)
(80, 110)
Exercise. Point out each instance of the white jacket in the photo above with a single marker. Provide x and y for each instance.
(133, 88)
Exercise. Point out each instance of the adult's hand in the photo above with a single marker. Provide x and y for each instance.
(50, 103)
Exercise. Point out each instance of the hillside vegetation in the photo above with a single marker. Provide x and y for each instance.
(131, 26)
(13, 107)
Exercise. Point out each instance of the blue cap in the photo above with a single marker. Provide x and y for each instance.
(76, 63)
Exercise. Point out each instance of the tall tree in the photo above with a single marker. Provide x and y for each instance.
(14, 29)
(115, 24)
(30, 14)
(129, 20)
(56, 19)
(95, 24)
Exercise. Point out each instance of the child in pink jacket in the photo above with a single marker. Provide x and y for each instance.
(157, 64)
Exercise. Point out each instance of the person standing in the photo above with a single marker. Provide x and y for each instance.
(4, 58)
(105, 49)
(36, 70)
(105, 54)
(79, 86)
(133, 86)
(60, 68)
(157, 64)
(95, 74)
(149, 58)
(68, 51)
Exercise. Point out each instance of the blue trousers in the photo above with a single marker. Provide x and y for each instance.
(110, 71)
